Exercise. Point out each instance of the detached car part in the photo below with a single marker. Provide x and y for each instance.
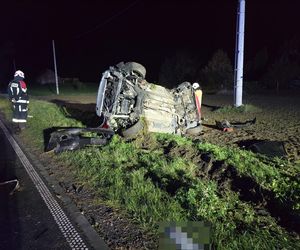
(72, 139)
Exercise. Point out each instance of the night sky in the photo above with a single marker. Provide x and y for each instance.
(92, 35)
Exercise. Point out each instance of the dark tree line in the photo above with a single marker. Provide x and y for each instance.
(276, 71)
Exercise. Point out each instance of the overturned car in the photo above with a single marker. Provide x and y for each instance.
(127, 104)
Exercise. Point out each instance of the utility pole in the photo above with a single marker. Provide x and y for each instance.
(55, 68)
(239, 55)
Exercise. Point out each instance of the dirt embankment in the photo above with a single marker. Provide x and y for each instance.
(277, 120)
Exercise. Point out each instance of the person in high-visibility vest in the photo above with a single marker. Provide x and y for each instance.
(198, 98)
(17, 92)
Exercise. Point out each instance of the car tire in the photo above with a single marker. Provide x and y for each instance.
(137, 68)
(133, 131)
(194, 131)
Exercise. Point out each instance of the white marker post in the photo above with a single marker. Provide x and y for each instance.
(239, 55)
(55, 68)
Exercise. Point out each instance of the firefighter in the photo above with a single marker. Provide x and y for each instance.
(17, 92)
(198, 98)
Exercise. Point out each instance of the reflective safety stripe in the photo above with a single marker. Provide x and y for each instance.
(14, 85)
(22, 101)
(20, 109)
(18, 120)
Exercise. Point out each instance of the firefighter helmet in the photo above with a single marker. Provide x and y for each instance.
(196, 85)
(19, 73)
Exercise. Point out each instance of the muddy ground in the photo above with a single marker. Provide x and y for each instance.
(278, 119)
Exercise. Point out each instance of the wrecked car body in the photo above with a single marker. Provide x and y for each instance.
(127, 104)
(125, 98)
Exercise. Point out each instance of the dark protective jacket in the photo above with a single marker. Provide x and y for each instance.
(17, 90)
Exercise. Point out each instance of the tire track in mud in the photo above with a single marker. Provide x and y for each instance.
(228, 178)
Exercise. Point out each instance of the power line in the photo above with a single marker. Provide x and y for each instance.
(98, 26)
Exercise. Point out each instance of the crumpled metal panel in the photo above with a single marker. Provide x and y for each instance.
(159, 110)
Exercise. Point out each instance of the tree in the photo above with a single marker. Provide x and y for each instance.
(285, 68)
(280, 73)
(218, 74)
(255, 67)
(179, 68)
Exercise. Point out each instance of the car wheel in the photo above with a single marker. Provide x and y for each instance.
(136, 68)
(194, 131)
(133, 130)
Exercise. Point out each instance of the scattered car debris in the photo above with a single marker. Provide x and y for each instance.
(267, 148)
(15, 182)
(72, 139)
(226, 126)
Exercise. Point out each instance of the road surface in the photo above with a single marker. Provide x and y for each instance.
(30, 218)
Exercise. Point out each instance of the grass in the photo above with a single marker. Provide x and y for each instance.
(154, 187)
(76, 88)
(157, 183)
(119, 179)
(45, 115)
(276, 175)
